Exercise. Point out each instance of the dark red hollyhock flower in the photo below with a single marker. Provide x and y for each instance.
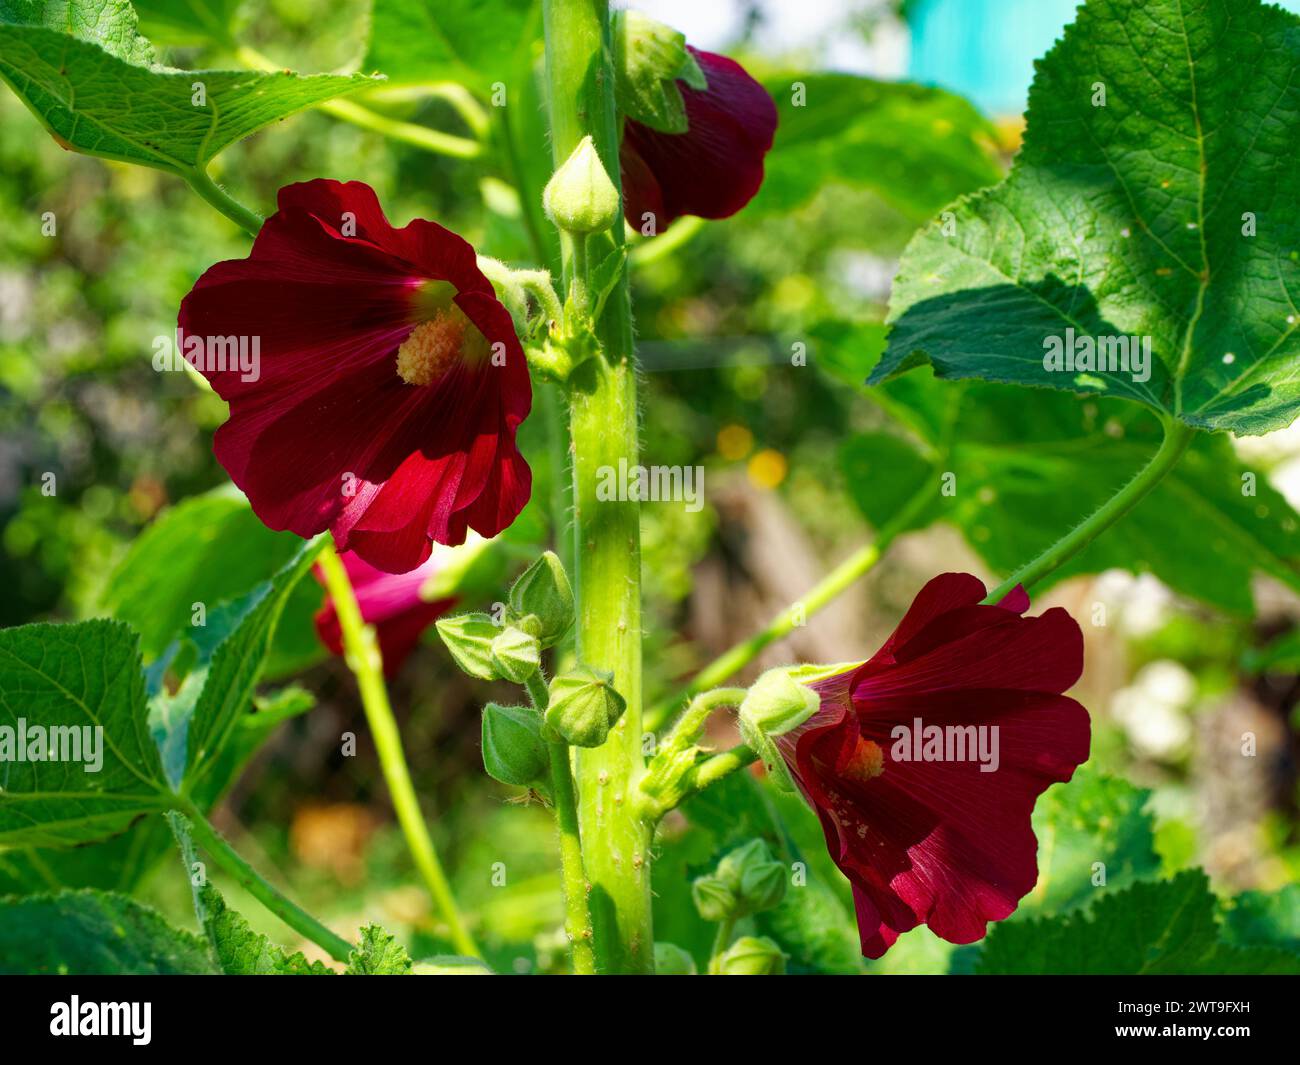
(715, 167)
(390, 602)
(942, 842)
(391, 380)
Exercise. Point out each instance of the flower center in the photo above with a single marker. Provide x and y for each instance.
(432, 348)
(867, 761)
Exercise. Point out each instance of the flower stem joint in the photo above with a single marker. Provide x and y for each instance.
(775, 704)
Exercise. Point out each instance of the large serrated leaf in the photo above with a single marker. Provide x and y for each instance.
(86, 933)
(85, 73)
(84, 676)
(1163, 211)
(1161, 928)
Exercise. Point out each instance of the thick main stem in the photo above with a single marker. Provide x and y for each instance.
(362, 653)
(607, 537)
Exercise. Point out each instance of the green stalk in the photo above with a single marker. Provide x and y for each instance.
(201, 182)
(721, 941)
(361, 650)
(269, 896)
(829, 588)
(577, 917)
(1178, 436)
(607, 536)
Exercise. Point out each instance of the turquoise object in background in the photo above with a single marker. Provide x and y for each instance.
(985, 49)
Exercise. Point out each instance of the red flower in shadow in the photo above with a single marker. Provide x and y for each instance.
(390, 602)
(715, 167)
(390, 381)
(924, 763)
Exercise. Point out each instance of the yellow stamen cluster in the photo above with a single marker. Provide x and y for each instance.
(432, 348)
(867, 763)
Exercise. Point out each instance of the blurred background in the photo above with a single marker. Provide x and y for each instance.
(1191, 642)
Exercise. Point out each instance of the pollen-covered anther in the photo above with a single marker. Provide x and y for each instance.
(867, 761)
(431, 349)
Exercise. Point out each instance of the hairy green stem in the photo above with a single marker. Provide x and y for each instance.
(701, 708)
(721, 941)
(577, 917)
(607, 537)
(361, 650)
(201, 182)
(269, 896)
(1177, 438)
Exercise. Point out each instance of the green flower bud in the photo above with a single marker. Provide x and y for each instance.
(664, 783)
(752, 956)
(469, 638)
(774, 705)
(583, 707)
(671, 960)
(543, 591)
(649, 59)
(714, 898)
(756, 878)
(513, 749)
(516, 654)
(580, 198)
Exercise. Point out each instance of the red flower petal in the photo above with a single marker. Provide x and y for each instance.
(715, 167)
(328, 435)
(943, 842)
(390, 602)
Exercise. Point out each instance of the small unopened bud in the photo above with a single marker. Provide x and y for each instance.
(469, 638)
(671, 960)
(583, 707)
(513, 749)
(580, 198)
(752, 956)
(714, 899)
(775, 704)
(543, 591)
(756, 878)
(516, 654)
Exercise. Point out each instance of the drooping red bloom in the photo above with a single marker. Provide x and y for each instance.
(390, 383)
(715, 167)
(940, 841)
(391, 602)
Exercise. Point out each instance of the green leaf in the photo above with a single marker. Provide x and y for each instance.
(475, 42)
(1197, 531)
(232, 648)
(1162, 927)
(215, 549)
(111, 24)
(1092, 819)
(93, 85)
(1133, 219)
(85, 677)
(918, 148)
(378, 954)
(85, 933)
(1264, 918)
(242, 952)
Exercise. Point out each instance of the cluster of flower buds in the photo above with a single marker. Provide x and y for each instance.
(747, 881)
(539, 613)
